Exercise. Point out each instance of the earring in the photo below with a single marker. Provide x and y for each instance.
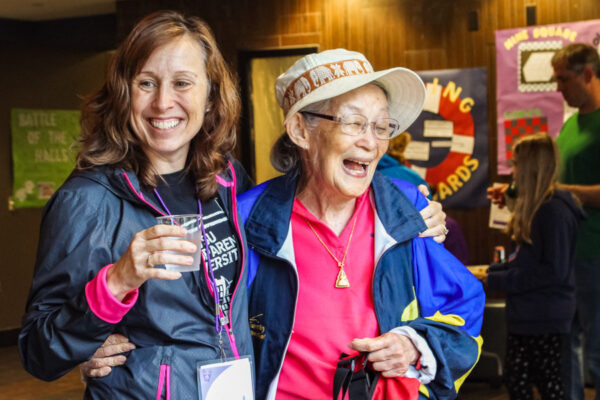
(207, 110)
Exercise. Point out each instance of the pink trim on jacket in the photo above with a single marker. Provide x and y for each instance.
(222, 181)
(237, 227)
(140, 195)
(103, 303)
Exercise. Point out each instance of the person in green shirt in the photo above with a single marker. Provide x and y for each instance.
(577, 72)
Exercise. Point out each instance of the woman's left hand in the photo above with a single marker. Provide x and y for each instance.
(107, 356)
(434, 217)
(390, 353)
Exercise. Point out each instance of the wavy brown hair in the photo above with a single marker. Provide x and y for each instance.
(536, 160)
(107, 136)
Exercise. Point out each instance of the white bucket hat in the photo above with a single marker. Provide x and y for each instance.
(328, 74)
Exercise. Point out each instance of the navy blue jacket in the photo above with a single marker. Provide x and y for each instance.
(89, 223)
(540, 280)
(416, 282)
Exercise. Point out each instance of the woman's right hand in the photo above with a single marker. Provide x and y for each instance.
(149, 248)
(497, 194)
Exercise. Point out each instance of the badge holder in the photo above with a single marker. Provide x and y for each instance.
(226, 379)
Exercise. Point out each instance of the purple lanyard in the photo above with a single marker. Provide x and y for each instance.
(220, 319)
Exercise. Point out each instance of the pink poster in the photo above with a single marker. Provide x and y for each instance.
(526, 92)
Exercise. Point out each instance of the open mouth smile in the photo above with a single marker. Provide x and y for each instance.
(356, 168)
(164, 124)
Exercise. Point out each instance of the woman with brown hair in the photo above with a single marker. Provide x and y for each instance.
(539, 278)
(155, 141)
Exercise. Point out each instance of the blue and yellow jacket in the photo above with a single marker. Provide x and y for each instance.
(416, 282)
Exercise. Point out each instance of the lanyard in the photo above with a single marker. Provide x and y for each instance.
(220, 319)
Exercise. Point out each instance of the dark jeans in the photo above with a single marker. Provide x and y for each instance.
(586, 323)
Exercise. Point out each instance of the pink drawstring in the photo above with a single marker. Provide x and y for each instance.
(168, 382)
(165, 372)
(161, 381)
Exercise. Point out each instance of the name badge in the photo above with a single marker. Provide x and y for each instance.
(225, 380)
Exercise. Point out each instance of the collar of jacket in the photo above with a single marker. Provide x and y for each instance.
(125, 184)
(267, 225)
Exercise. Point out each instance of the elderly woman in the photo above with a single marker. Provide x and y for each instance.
(155, 141)
(336, 262)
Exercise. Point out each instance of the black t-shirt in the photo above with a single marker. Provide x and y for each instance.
(178, 193)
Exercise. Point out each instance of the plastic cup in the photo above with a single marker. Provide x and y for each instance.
(193, 224)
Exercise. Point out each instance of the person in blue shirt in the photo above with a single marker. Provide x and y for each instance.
(392, 163)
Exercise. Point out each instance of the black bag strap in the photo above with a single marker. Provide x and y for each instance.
(353, 377)
(343, 375)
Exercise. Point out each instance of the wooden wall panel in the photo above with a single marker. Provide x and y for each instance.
(418, 34)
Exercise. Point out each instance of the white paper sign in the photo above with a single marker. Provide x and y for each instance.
(441, 143)
(462, 144)
(436, 128)
(432, 98)
(418, 151)
(499, 217)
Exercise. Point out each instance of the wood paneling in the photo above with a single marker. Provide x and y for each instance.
(418, 34)
(37, 77)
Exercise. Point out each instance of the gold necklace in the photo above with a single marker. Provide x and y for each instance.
(342, 279)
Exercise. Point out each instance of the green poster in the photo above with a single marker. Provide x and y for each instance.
(44, 151)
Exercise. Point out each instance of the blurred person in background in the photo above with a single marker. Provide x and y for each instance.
(539, 279)
(577, 72)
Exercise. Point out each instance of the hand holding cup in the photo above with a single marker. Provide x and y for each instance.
(149, 247)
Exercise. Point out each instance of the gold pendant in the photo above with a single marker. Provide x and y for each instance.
(342, 280)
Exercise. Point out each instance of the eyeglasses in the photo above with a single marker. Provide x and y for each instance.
(356, 124)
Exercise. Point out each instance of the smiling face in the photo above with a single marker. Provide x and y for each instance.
(168, 102)
(338, 165)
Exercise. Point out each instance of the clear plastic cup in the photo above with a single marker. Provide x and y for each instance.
(193, 224)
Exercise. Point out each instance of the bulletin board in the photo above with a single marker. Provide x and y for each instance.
(527, 100)
(43, 152)
(449, 146)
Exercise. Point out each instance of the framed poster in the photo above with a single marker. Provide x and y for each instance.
(527, 100)
(43, 151)
(449, 145)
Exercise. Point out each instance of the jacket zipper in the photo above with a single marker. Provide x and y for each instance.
(270, 255)
(389, 246)
(234, 214)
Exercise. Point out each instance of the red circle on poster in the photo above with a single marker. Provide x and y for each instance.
(463, 137)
